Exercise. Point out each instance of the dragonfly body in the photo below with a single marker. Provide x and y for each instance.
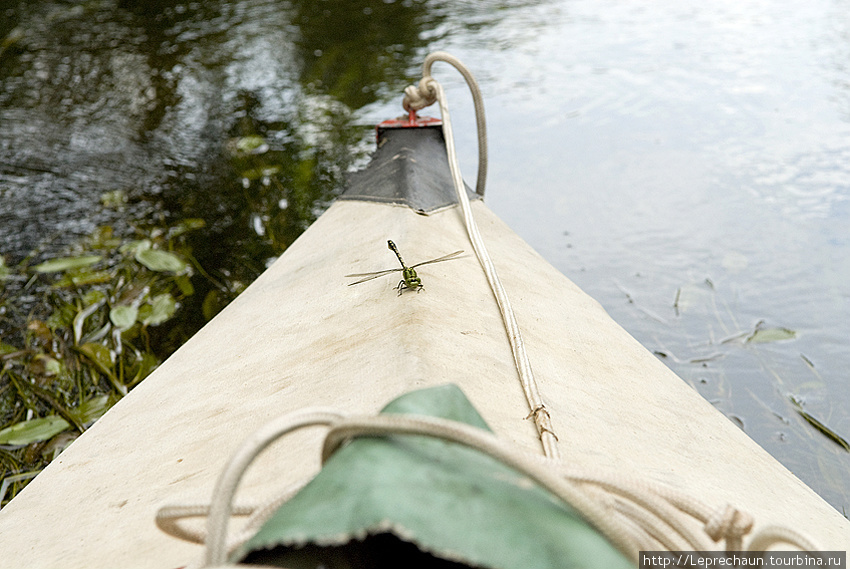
(409, 279)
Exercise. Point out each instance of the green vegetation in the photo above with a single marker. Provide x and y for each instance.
(95, 328)
(79, 330)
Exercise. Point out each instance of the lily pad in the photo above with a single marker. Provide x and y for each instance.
(33, 431)
(66, 263)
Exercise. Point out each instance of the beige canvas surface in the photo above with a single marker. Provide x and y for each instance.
(300, 337)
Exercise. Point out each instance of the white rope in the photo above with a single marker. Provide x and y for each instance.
(417, 98)
(169, 518)
(228, 482)
(430, 90)
(633, 515)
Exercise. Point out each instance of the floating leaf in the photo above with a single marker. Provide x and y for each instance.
(212, 304)
(135, 247)
(161, 261)
(764, 335)
(123, 316)
(58, 444)
(99, 355)
(93, 409)
(66, 263)
(160, 309)
(186, 225)
(47, 365)
(40, 330)
(33, 431)
(62, 316)
(184, 283)
(83, 278)
(93, 296)
(146, 365)
(252, 144)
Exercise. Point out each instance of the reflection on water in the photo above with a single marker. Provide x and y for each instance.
(672, 149)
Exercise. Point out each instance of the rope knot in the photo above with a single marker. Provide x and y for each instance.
(729, 524)
(416, 98)
(543, 420)
(535, 413)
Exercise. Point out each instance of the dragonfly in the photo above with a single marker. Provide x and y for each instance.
(409, 279)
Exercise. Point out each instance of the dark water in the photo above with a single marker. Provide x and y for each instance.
(652, 152)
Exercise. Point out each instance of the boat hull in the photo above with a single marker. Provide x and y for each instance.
(300, 337)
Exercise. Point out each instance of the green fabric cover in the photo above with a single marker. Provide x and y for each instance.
(451, 501)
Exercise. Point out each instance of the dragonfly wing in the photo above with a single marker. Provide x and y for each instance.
(370, 276)
(438, 259)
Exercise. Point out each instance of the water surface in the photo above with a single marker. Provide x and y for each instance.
(687, 164)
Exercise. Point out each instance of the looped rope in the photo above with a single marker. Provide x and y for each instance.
(417, 98)
(632, 514)
(426, 93)
(729, 524)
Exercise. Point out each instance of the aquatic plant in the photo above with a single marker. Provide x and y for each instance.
(77, 332)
